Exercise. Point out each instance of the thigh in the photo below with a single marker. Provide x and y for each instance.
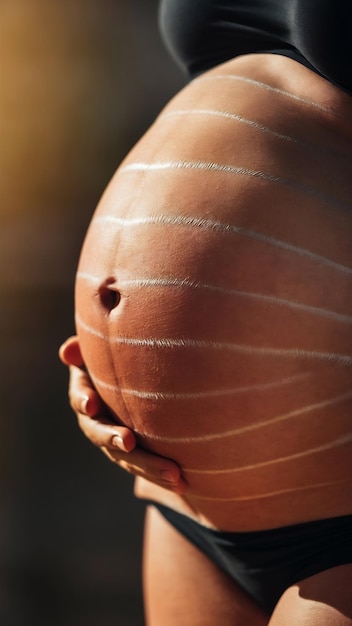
(182, 586)
(321, 600)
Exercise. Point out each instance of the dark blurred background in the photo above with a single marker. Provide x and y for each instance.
(80, 81)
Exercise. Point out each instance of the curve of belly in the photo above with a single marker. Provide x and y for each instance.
(213, 297)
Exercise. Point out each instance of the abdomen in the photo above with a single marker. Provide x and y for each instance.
(213, 292)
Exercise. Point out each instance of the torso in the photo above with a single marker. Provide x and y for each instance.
(227, 232)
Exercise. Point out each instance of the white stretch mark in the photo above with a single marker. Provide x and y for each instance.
(172, 395)
(174, 282)
(283, 459)
(233, 117)
(271, 493)
(91, 278)
(232, 169)
(189, 284)
(90, 329)
(257, 126)
(200, 165)
(282, 92)
(198, 222)
(166, 343)
(250, 427)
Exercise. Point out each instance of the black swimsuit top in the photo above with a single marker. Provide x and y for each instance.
(203, 33)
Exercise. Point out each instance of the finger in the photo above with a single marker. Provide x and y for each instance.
(83, 397)
(93, 416)
(70, 353)
(102, 432)
(154, 468)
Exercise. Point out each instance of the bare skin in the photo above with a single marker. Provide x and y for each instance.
(218, 325)
(116, 442)
(321, 600)
(275, 449)
(182, 586)
(172, 565)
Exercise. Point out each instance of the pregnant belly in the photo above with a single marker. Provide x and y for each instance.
(213, 300)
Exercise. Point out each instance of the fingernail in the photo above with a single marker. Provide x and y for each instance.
(84, 404)
(117, 441)
(169, 476)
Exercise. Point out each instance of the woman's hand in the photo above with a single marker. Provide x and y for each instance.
(118, 443)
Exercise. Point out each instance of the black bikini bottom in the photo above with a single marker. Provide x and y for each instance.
(265, 563)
